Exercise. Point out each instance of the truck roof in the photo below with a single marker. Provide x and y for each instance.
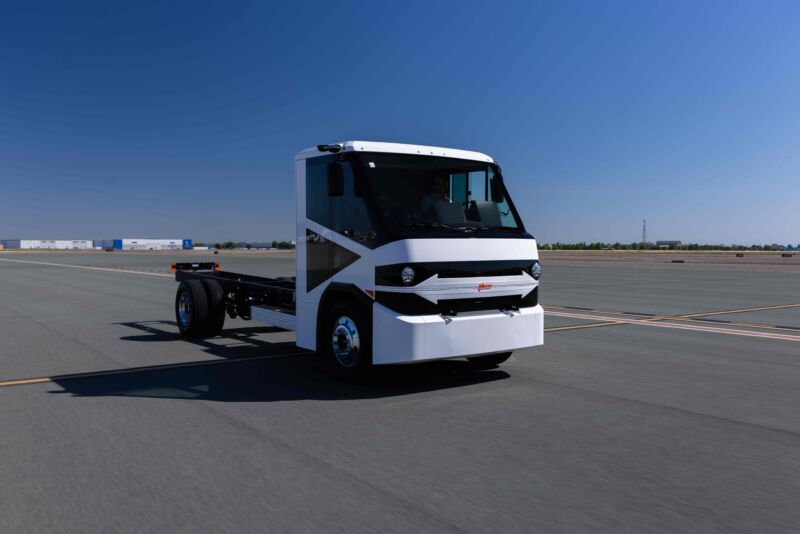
(398, 148)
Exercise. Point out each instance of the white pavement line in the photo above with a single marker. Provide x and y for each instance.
(86, 267)
(645, 322)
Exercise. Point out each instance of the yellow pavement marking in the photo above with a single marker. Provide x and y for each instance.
(589, 310)
(743, 310)
(130, 370)
(24, 382)
(655, 322)
(736, 323)
(691, 317)
(577, 326)
(686, 316)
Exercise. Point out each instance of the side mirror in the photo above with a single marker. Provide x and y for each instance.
(335, 180)
(496, 187)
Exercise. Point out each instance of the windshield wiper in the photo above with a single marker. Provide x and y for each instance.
(434, 225)
(485, 227)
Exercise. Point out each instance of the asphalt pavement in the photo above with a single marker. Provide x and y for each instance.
(665, 399)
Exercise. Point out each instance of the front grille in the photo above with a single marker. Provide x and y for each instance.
(412, 304)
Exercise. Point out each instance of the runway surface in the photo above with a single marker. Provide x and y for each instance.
(665, 399)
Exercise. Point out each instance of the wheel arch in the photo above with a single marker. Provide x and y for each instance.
(335, 292)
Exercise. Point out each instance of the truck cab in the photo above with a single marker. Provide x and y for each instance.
(405, 253)
(409, 253)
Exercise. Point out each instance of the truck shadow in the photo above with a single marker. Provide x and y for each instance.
(263, 374)
(235, 343)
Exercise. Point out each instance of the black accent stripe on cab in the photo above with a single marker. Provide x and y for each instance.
(389, 275)
(324, 258)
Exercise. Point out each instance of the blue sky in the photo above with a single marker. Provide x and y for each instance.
(182, 118)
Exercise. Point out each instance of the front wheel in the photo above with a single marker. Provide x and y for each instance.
(489, 361)
(348, 340)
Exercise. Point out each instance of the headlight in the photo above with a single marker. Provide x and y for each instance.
(407, 275)
(536, 270)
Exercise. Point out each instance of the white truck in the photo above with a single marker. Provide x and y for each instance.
(405, 253)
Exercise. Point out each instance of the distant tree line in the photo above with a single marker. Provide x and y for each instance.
(652, 246)
(226, 245)
(286, 245)
(230, 245)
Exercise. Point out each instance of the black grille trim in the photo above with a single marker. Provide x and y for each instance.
(412, 304)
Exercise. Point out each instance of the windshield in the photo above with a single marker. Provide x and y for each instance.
(425, 192)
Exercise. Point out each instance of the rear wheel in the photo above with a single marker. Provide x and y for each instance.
(216, 308)
(489, 361)
(191, 308)
(347, 340)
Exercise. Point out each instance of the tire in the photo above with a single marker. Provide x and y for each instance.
(490, 361)
(347, 340)
(191, 308)
(216, 308)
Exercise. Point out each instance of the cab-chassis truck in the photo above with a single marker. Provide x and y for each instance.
(405, 253)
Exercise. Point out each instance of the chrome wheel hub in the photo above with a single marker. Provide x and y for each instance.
(184, 310)
(345, 341)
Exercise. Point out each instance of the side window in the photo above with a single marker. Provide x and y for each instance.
(318, 203)
(458, 188)
(347, 214)
(506, 217)
(350, 217)
(477, 185)
(468, 186)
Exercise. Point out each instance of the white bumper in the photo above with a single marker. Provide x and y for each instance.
(411, 338)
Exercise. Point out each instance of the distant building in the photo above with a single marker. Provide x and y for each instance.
(667, 244)
(50, 244)
(146, 244)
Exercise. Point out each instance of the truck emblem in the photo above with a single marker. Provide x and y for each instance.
(483, 286)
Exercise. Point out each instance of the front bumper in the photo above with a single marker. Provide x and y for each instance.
(411, 338)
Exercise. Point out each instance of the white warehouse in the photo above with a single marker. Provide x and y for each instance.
(146, 244)
(52, 244)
